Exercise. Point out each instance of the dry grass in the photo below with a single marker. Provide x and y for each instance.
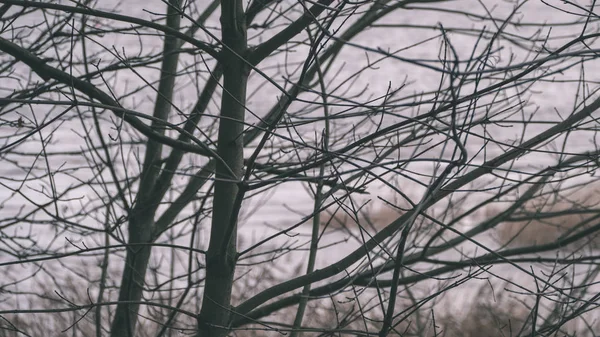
(487, 315)
(547, 220)
(503, 313)
(369, 218)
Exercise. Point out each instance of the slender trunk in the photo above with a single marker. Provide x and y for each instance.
(132, 281)
(214, 316)
(141, 219)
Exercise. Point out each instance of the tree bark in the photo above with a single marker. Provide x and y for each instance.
(141, 219)
(221, 257)
(132, 280)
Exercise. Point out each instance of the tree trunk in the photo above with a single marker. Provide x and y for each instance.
(132, 281)
(141, 218)
(214, 316)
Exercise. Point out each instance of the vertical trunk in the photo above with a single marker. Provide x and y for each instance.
(132, 281)
(141, 219)
(214, 316)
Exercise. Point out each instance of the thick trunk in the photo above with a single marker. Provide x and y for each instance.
(214, 316)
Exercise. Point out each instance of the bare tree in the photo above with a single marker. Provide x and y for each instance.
(323, 167)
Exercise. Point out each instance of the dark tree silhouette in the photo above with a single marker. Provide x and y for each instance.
(355, 168)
